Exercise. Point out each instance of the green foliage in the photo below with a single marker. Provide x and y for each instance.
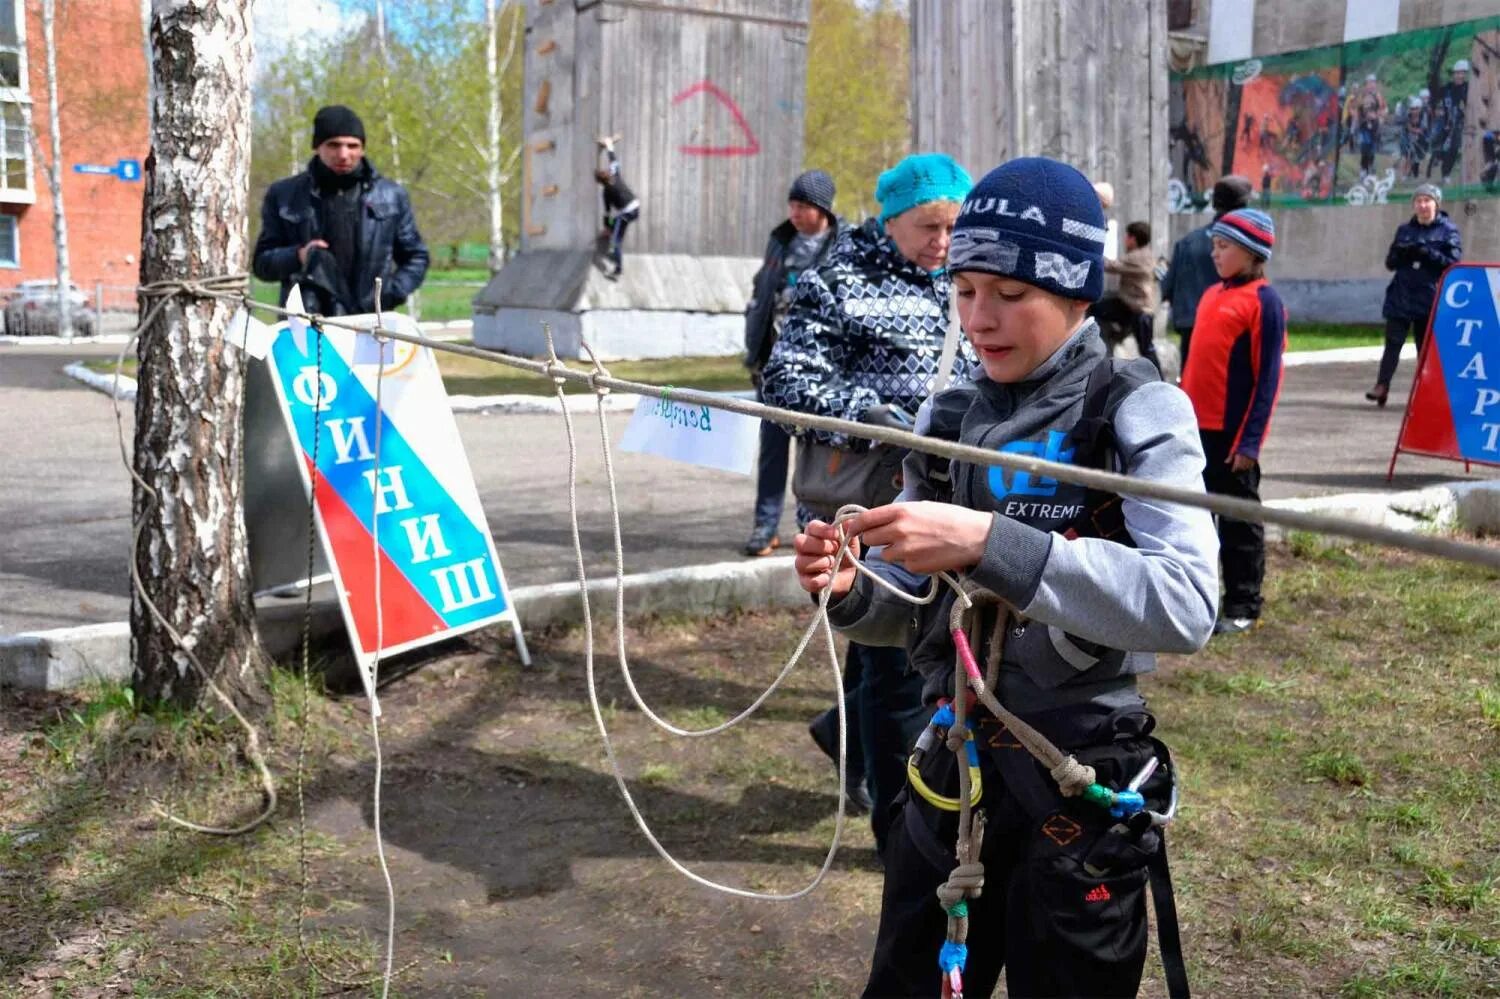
(857, 71)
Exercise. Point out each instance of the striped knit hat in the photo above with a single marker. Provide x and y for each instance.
(1249, 227)
(1035, 220)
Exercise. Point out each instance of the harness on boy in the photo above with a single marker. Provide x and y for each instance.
(953, 726)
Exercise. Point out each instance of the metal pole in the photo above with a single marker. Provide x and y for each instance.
(98, 308)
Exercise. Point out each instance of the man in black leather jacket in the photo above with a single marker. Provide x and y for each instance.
(338, 225)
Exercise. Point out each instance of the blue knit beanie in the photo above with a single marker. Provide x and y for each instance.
(1249, 227)
(918, 179)
(1035, 220)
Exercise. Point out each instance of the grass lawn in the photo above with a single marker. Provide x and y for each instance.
(446, 295)
(1330, 336)
(1339, 833)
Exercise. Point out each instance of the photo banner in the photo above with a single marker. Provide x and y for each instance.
(1354, 124)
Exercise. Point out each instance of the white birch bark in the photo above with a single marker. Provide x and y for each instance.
(495, 173)
(188, 442)
(54, 166)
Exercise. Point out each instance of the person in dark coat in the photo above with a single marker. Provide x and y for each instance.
(862, 341)
(1423, 248)
(338, 225)
(1191, 271)
(800, 243)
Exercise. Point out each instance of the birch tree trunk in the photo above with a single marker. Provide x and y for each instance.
(188, 442)
(492, 145)
(385, 91)
(495, 173)
(54, 172)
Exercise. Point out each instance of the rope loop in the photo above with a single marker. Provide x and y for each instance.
(599, 375)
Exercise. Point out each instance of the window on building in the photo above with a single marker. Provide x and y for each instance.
(10, 242)
(15, 151)
(1179, 14)
(15, 145)
(12, 45)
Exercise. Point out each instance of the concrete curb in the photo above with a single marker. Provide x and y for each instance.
(65, 658)
(452, 329)
(101, 382)
(1468, 507)
(1343, 355)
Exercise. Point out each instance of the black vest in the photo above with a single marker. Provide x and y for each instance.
(1065, 417)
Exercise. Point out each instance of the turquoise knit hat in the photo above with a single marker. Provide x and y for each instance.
(918, 179)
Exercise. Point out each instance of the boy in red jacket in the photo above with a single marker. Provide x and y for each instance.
(1233, 380)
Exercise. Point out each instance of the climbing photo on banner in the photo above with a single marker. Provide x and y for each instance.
(695, 434)
(1361, 123)
(1454, 407)
(371, 419)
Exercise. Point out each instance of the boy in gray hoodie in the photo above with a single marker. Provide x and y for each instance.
(1098, 584)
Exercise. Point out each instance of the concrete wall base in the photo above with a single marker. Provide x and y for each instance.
(1354, 300)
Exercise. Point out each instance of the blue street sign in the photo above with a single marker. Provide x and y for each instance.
(127, 170)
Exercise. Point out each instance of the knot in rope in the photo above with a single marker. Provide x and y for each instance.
(1073, 778)
(956, 739)
(217, 286)
(964, 882)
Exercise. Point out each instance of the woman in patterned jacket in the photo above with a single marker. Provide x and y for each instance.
(861, 341)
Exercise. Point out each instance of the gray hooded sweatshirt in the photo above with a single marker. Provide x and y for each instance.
(1094, 611)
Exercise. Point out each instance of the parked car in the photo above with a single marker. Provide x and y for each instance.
(32, 310)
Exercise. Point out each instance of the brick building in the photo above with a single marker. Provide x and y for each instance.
(101, 79)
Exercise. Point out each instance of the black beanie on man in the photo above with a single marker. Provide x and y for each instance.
(336, 120)
(815, 188)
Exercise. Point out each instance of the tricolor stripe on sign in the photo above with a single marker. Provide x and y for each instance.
(438, 572)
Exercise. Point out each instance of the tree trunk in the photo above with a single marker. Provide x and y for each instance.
(385, 91)
(54, 172)
(492, 147)
(188, 442)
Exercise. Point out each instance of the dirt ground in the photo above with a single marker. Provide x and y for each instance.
(1315, 856)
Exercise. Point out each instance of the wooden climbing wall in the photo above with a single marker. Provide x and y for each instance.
(707, 96)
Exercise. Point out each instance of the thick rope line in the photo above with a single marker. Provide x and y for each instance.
(1112, 482)
(820, 618)
(385, 870)
(304, 866)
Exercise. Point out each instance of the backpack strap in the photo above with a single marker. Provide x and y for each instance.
(1094, 444)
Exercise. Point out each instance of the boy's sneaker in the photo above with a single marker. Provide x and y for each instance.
(1235, 625)
(762, 541)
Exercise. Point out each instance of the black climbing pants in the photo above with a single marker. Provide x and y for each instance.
(1063, 910)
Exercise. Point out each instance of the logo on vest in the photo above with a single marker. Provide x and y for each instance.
(1021, 483)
